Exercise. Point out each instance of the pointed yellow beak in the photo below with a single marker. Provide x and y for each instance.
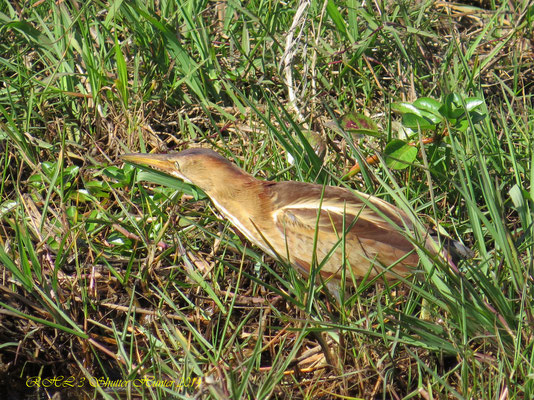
(161, 162)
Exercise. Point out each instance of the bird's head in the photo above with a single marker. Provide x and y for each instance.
(203, 168)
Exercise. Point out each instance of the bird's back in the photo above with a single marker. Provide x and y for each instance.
(333, 227)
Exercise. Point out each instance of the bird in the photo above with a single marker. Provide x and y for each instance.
(306, 225)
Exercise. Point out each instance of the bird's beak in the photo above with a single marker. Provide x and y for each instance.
(161, 162)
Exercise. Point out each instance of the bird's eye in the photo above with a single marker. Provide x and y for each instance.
(177, 165)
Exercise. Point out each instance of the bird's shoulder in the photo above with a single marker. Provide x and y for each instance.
(294, 193)
(310, 196)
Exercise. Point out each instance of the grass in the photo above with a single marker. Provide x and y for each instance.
(118, 282)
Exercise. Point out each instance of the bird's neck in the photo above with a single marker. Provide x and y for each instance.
(242, 201)
(238, 191)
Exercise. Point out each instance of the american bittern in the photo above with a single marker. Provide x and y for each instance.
(292, 220)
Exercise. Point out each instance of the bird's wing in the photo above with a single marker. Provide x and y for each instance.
(335, 220)
(297, 205)
(333, 215)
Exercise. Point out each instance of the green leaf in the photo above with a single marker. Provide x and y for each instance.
(122, 73)
(405, 108)
(36, 181)
(435, 119)
(336, 17)
(476, 117)
(19, 275)
(428, 104)
(452, 107)
(413, 121)
(30, 32)
(97, 188)
(114, 173)
(472, 102)
(83, 195)
(530, 14)
(72, 213)
(69, 174)
(354, 120)
(7, 207)
(399, 154)
(48, 168)
(359, 124)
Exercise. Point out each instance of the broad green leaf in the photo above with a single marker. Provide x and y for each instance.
(476, 117)
(428, 104)
(37, 181)
(354, 120)
(452, 107)
(413, 121)
(359, 124)
(6, 207)
(97, 188)
(48, 168)
(399, 154)
(83, 195)
(472, 102)
(435, 119)
(114, 173)
(462, 125)
(405, 108)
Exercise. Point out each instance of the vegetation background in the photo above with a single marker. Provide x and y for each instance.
(109, 274)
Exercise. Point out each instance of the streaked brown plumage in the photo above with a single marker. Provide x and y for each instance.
(282, 217)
